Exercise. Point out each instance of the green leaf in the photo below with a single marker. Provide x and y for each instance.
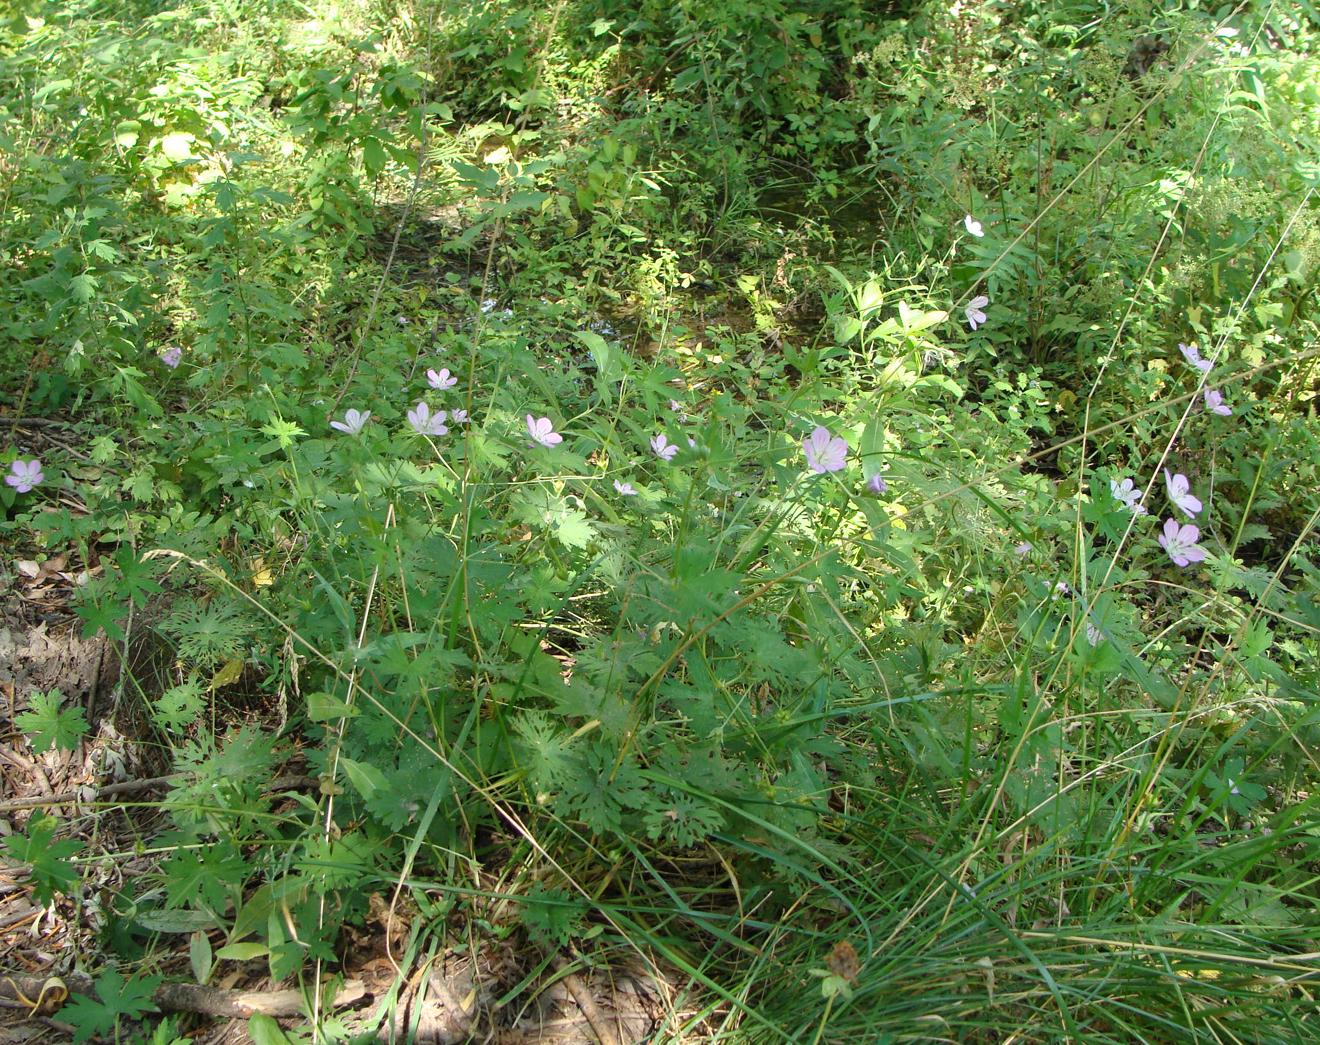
(48, 726)
(365, 778)
(573, 528)
(116, 999)
(200, 956)
(263, 1030)
(134, 579)
(609, 362)
(322, 707)
(241, 952)
(374, 156)
(48, 860)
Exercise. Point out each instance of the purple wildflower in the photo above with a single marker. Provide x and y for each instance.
(1193, 356)
(24, 475)
(1127, 492)
(975, 310)
(1214, 402)
(1180, 542)
(542, 430)
(1180, 493)
(353, 423)
(426, 423)
(172, 356)
(825, 452)
(443, 380)
(664, 449)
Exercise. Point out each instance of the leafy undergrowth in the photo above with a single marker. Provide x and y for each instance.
(813, 506)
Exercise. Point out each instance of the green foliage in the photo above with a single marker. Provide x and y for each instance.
(116, 999)
(49, 725)
(48, 860)
(952, 700)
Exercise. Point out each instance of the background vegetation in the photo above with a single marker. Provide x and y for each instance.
(939, 744)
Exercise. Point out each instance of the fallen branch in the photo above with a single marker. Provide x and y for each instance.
(36, 993)
(599, 1023)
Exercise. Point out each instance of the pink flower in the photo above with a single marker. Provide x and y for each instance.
(353, 423)
(442, 380)
(1214, 402)
(876, 484)
(973, 227)
(24, 475)
(625, 488)
(675, 405)
(1180, 493)
(973, 311)
(664, 449)
(459, 417)
(542, 431)
(426, 423)
(1193, 356)
(1180, 542)
(172, 356)
(825, 452)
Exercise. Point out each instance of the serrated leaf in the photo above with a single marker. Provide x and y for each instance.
(573, 529)
(48, 726)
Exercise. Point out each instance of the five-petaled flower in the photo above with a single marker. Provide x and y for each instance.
(444, 379)
(1180, 493)
(1214, 402)
(542, 430)
(973, 226)
(459, 417)
(876, 484)
(626, 489)
(675, 405)
(1127, 492)
(24, 475)
(1193, 356)
(975, 310)
(825, 452)
(1180, 542)
(353, 423)
(426, 423)
(172, 356)
(664, 449)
